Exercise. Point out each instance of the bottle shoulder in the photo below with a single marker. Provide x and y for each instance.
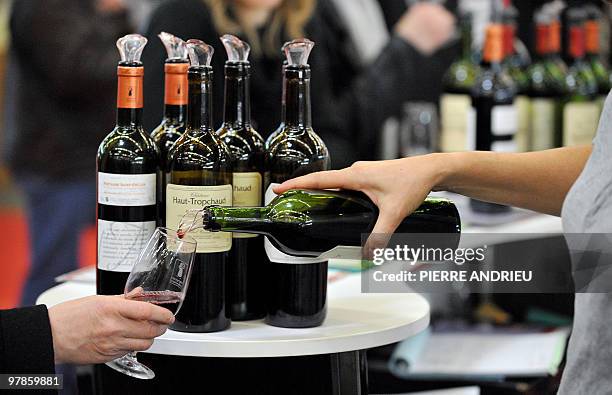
(127, 150)
(495, 84)
(303, 141)
(201, 148)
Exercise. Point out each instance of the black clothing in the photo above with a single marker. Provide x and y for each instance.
(26, 344)
(65, 88)
(349, 105)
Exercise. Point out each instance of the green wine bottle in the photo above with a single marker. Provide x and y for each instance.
(581, 110)
(456, 101)
(593, 52)
(327, 224)
(546, 88)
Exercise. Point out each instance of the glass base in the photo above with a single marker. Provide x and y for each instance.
(129, 366)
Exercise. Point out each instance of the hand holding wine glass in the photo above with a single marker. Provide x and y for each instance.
(160, 276)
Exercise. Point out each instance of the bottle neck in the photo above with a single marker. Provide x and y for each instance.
(284, 95)
(129, 96)
(466, 41)
(237, 219)
(555, 39)
(509, 34)
(237, 109)
(494, 47)
(297, 90)
(176, 92)
(199, 110)
(576, 43)
(542, 40)
(592, 33)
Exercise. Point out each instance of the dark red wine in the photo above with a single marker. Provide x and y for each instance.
(168, 299)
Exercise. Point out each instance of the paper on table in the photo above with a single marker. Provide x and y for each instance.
(486, 355)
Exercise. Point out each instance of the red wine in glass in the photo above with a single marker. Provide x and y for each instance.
(167, 299)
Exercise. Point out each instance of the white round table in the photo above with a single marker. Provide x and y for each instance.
(355, 322)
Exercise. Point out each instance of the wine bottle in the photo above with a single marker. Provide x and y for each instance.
(455, 102)
(593, 53)
(200, 173)
(515, 67)
(246, 264)
(581, 110)
(297, 288)
(328, 224)
(175, 109)
(546, 87)
(127, 165)
(493, 120)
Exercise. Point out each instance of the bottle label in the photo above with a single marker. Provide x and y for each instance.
(180, 198)
(120, 243)
(130, 87)
(504, 120)
(127, 190)
(276, 255)
(504, 126)
(176, 84)
(580, 123)
(454, 109)
(542, 124)
(247, 193)
(523, 108)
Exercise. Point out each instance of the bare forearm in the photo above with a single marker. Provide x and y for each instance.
(537, 181)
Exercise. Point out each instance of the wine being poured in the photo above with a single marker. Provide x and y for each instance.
(321, 225)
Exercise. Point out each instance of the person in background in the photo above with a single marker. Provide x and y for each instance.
(90, 330)
(350, 103)
(63, 86)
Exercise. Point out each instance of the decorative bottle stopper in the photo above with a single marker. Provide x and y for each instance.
(175, 47)
(200, 53)
(131, 47)
(237, 50)
(298, 51)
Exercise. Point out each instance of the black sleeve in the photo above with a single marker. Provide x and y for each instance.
(68, 44)
(26, 343)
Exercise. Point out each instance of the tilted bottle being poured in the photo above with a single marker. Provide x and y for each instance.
(327, 224)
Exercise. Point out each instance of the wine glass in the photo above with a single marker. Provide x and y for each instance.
(160, 276)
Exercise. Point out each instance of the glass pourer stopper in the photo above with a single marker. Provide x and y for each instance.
(237, 50)
(298, 51)
(175, 47)
(200, 53)
(131, 47)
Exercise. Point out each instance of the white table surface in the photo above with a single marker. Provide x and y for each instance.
(355, 321)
